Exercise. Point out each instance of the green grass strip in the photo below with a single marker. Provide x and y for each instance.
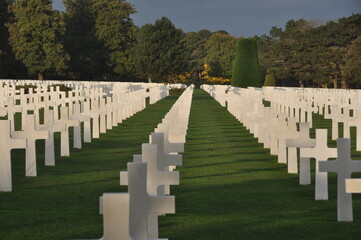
(232, 188)
(63, 201)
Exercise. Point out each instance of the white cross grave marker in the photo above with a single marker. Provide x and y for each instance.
(142, 204)
(31, 134)
(11, 110)
(321, 153)
(77, 129)
(52, 127)
(87, 124)
(6, 145)
(357, 123)
(344, 166)
(64, 136)
(303, 141)
(95, 113)
(165, 161)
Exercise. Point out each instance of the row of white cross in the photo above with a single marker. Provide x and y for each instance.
(134, 215)
(276, 128)
(95, 108)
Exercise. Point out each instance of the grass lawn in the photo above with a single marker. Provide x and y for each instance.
(231, 187)
(63, 201)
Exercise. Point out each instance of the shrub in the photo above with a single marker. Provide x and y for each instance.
(270, 80)
(246, 69)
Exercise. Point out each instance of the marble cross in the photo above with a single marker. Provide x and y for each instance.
(142, 204)
(7, 143)
(344, 166)
(356, 122)
(11, 110)
(31, 134)
(165, 161)
(303, 141)
(64, 136)
(77, 129)
(52, 127)
(320, 152)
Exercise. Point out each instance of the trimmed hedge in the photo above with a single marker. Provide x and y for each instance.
(246, 70)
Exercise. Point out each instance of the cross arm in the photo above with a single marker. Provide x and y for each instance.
(18, 143)
(161, 204)
(328, 166)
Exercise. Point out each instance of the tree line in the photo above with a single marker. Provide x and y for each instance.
(306, 53)
(98, 40)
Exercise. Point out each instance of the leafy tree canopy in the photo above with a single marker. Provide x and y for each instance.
(35, 37)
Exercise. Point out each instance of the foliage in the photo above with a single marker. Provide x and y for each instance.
(310, 54)
(353, 63)
(116, 31)
(207, 79)
(97, 40)
(270, 80)
(246, 68)
(195, 46)
(9, 67)
(220, 54)
(35, 37)
(160, 54)
(100, 36)
(88, 54)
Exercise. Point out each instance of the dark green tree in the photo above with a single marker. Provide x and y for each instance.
(35, 37)
(221, 49)
(88, 54)
(116, 31)
(353, 63)
(145, 53)
(9, 67)
(195, 46)
(311, 54)
(246, 69)
(160, 54)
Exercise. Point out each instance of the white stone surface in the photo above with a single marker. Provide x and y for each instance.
(6, 145)
(356, 122)
(31, 134)
(302, 141)
(50, 126)
(344, 166)
(321, 152)
(64, 136)
(353, 185)
(142, 204)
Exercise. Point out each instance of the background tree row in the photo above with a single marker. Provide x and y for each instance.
(306, 54)
(98, 40)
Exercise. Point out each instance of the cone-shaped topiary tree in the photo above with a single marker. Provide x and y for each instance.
(270, 80)
(246, 70)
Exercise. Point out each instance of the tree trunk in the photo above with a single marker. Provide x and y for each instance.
(40, 76)
(343, 84)
(149, 79)
(199, 75)
(302, 85)
(334, 81)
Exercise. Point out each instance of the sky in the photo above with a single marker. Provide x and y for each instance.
(238, 17)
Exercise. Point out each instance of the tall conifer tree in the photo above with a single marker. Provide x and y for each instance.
(246, 69)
